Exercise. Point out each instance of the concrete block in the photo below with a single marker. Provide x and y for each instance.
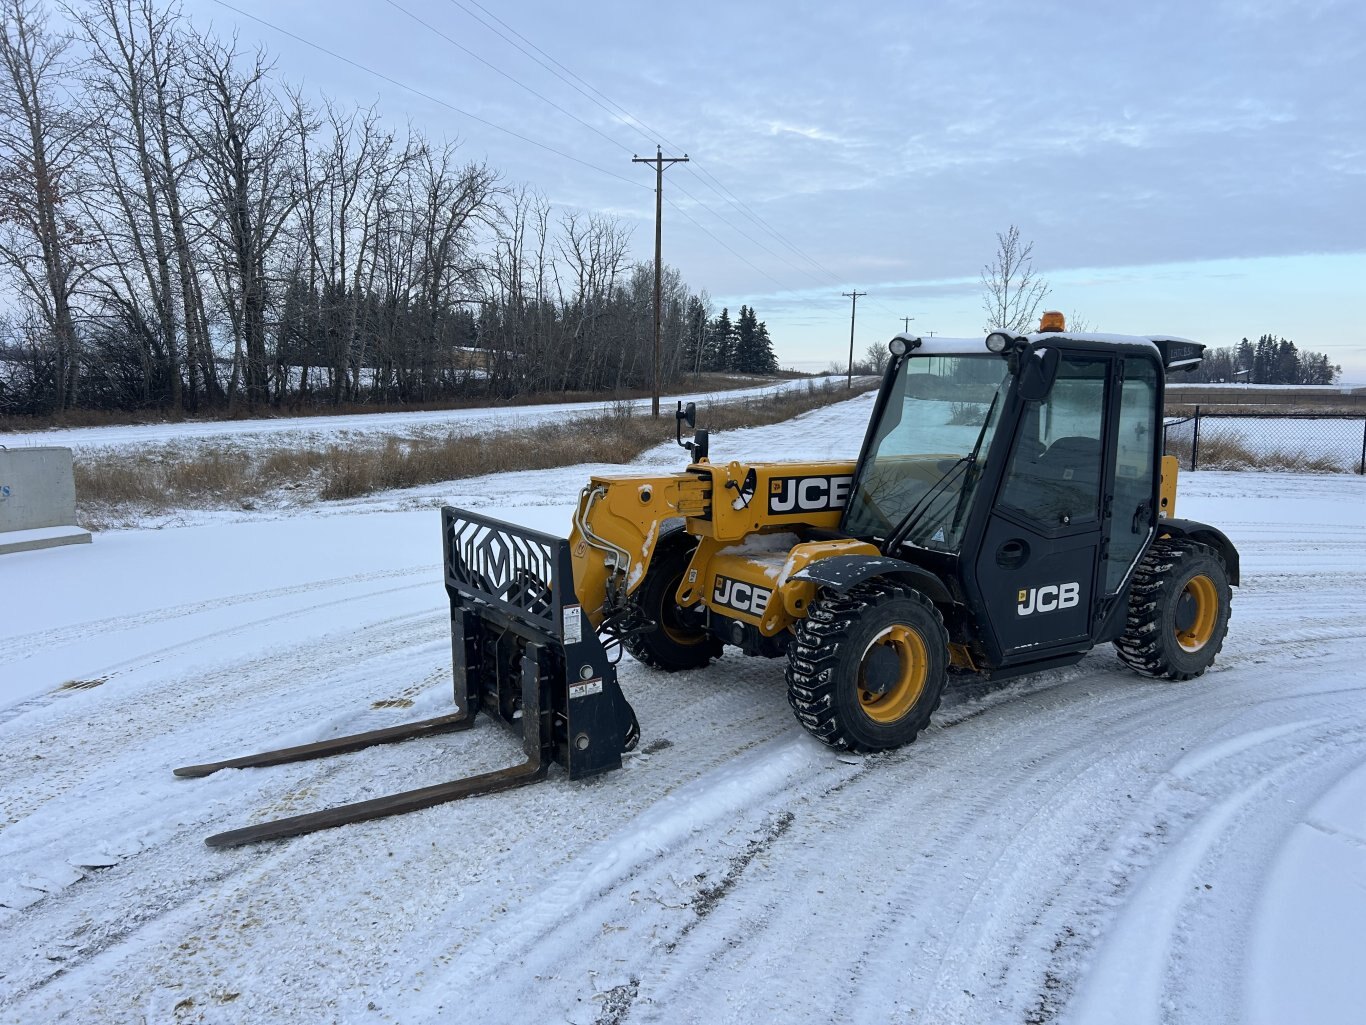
(37, 499)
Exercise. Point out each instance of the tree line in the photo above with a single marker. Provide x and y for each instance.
(1269, 360)
(181, 230)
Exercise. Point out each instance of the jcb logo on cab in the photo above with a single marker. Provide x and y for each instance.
(807, 494)
(740, 596)
(1048, 598)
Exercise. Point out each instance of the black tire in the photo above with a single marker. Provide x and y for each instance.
(669, 644)
(1179, 606)
(867, 669)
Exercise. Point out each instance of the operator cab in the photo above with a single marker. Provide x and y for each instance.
(1025, 472)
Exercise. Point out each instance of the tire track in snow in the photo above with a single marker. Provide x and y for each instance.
(139, 730)
(493, 824)
(1175, 947)
(151, 856)
(13, 649)
(1054, 806)
(551, 940)
(899, 843)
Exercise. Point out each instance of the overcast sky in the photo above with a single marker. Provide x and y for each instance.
(1187, 167)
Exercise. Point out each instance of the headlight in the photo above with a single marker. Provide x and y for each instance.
(998, 341)
(898, 346)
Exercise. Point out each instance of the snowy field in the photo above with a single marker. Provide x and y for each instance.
(323, 430)
(1084, 846)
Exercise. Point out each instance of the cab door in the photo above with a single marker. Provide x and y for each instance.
(1036, 571)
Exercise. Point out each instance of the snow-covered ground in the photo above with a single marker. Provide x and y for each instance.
(1082, 846)
(314, 430)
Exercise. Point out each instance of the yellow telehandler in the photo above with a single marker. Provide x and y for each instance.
(1011, 508)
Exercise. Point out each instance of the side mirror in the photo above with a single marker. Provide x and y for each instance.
(688, 415)
(1037, 374)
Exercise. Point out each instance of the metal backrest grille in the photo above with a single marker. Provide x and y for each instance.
(509, 567)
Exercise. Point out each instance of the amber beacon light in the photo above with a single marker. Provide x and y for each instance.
(1053, 321)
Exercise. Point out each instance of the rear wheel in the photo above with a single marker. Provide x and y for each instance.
(1179, 608)
(670, 642)
(866, 669)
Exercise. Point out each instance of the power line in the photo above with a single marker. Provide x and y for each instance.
(738, 231)
(625, 116)
(621, 114)
(633, 121)
(427, 96)
(511, 78)
(581, 86)
(735, 201)
(699, 226)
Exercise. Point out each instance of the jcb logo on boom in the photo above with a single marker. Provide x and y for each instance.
(740, 596)
(807, 494)
(1048, 598)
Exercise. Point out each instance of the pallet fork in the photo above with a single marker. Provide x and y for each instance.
(522, 651)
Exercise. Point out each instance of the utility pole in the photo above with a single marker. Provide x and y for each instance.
(906, 324)
(853, 308)
(659, 160)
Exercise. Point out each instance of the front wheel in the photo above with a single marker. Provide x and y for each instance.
(866, 669)
(1179, 607)
(669, 641)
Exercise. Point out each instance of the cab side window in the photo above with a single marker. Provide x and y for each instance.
(1134, 514)
(1054, 475)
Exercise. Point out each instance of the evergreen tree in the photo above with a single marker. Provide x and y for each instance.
(720, 343)
(692, 357)
(746, 342)
(766, 360)
(1263, 360)
(1287, 366)
(1244, 361)
(1272, 360)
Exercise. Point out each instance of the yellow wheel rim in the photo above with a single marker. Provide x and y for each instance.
(1202, 591)
(913, 670)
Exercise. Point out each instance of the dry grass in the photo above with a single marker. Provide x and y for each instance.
(1229, 450)
(119, 489)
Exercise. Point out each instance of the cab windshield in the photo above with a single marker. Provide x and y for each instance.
(919, 478)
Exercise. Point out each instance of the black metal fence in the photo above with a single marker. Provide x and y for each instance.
(1315, 442)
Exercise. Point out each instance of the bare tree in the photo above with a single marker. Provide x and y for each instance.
(135, 81)
(1078, 323)
(165, 203)
(594, 248)
(42, 151)
(244, 140)
(875, 356)
(1011, 291)
(454, 204)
